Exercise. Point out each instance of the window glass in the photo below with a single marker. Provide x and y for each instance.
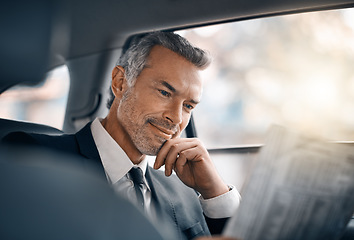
(294, 70)
(44, 103)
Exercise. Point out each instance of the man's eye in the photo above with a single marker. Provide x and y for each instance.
(165, 93)
(188, 106)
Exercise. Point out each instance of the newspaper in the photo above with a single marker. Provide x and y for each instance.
(300, 188)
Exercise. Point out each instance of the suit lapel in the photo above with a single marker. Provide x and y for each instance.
(179, 203)
(88, 149)
(86, 143)
(163, 201)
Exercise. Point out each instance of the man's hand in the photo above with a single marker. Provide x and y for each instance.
(191, 161)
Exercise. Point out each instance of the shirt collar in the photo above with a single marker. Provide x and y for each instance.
(114, 160)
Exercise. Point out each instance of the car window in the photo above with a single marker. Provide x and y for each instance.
(44, 103)
(294, 70)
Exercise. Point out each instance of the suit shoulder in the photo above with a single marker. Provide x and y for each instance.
(20, 138)
(59, 142)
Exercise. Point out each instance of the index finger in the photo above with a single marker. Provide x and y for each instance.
(162, 154)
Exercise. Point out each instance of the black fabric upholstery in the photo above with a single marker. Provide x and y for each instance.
(45, 195)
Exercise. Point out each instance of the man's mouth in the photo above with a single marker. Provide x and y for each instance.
(163, 132)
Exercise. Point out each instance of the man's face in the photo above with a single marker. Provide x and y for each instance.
(159, 105)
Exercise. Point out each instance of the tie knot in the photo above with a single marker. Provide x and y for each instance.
(136, 175)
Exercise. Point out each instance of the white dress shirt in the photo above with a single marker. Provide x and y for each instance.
(117, 164)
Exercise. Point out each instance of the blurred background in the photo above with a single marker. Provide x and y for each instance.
(44, 103)
(294, 70)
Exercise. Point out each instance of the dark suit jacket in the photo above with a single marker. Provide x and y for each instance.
(178, 201)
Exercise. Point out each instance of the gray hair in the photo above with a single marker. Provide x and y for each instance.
(134, 59)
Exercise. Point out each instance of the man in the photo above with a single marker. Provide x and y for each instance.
(155, 86)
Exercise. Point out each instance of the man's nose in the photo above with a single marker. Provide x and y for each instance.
(173, 113)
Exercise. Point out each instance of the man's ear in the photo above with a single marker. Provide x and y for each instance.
(118, 85)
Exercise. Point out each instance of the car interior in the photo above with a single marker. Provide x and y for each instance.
(88, 38)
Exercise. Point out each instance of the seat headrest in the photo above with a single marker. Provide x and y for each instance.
(25, 28)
